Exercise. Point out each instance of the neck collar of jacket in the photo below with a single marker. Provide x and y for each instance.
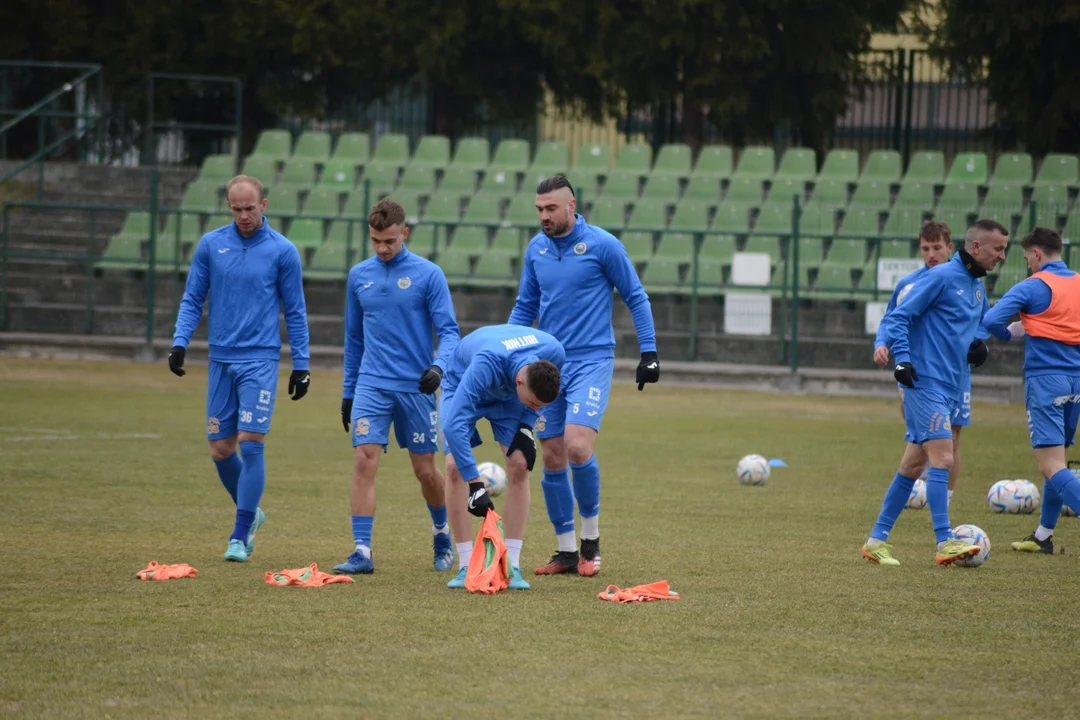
(396, 259)
(575, 232)
(973, 268)
(257, 235)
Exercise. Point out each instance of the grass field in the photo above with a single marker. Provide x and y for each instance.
(104, 467)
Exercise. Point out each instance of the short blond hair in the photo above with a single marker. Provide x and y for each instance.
(250, 180)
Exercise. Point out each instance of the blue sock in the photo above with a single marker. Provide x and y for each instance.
(937, 497)
(587, 487)
(229, 471)
(895, 499)
(249, 491)
(1051, 506)
(559, 498)
(1067, 487)
(361, 529)
(438, 515)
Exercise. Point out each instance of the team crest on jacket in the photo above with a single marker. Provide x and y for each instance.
(580, 248)
(404, 283)
(978, 296)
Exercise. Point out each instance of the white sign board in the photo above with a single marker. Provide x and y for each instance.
(751, 269)
(874, 312)
(747, 313)
(891, 270)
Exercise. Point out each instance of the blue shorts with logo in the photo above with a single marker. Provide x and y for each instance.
(240, 396)
(414, 416)
(962, 412)
(582, 399)
(1053, 408)
(927, 415)
(504, 418)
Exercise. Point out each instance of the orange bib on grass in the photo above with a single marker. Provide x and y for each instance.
(489, 567)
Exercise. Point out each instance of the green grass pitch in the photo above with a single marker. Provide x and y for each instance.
(104, 467)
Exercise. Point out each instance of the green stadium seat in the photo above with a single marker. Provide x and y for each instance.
(409, 200)
(774, 220)
(428, 240)
(998, 214)
(895, 249)
(756, 161)
(381, 177)
(432, 152)
(811, 251)
(593, 158)
(1012, 271)
(552, 158)
(732, 217)
(338, 175)
(690, 215)
(201, 196)
(483, 209)
(963, 196)
(357, 204)
(420, 178)
(1012, 169)
(717, 248)
(841, 165)
(662, 186)
(926, 166)
(459, 180)
(969, 169)
(638, 244)
(218, 220)
(814, 220)
(784, 189)
(469, 240)
(392, 150)
(745, 189)
(848, 252)
(472, 153)
(904, 221)
(830, 193)
(662, 275)
(218, 169)
(871, 194)
(710, 276)
(313, 145)
(455, 266)
(494, 271)
(834, 281)
(958, 220)
(676, 246)
(331, 261)
(273, 144)
(608, 213)
(634, 158)
(354, 147)
(714, 161)
(123, 252)
(1072, 257)
(306, 232)
(882, 166)
(299, 172)
(510, 242)
(1071, 229)
(512, 154)
(321, 203)
(1050, 201)
(262, 168)
(586, 185)
(1004, 198)
(522, 210)
(703, 188)
(283, 201)
(499, 181)
(443, 208)
(673, 160)
(648, 214)
(860, 221)
(797, 163)
(768, 245)
(1058, 169)
(916, 195)
(622, 184)
(171, 241)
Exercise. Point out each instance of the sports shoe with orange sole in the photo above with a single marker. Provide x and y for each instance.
(589, 564)
(561, 562)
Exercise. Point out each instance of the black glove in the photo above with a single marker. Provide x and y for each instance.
(523, 441)
(298, 383)
(346, 412)
(905, 374)
(176, 360)
(977, 353)
(648, 370)
(479, 499)
(431, 380)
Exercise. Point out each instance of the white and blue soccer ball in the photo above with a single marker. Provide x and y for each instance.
(753, 470)
(1013, 496)
(1067, 511)
(917, 499)
(973, 534)
(1032, 497)
(493, 477)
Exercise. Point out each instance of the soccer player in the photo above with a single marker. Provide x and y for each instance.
(1049, 307)
(392, 301)
(504, 373)
(568, 276)
(935, 329)
(935, 244)
(249, 270)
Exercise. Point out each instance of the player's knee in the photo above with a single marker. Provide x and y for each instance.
(221, 449)
(517, 471)
(579, 452)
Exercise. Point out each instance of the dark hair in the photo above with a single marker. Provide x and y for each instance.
(553, 183)
(386, 213)
(543, 379)
(1043, 238)
(991, 226)
(935, 230)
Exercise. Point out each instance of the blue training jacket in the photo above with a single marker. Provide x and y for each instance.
(390, 308)
(482, 372)
(568, 283)
(249, 281)
(935, 324)
(899, 293)
(1042, 356)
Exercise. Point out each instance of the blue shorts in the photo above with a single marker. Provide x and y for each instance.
(504, 418)
(240, 396)
(927, 415)
(414, 416)
(1053, 408)
(961, 416)
(582, 399)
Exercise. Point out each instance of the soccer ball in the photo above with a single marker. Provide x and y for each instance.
(973, 534)
(917, 499)
(1013, 496)
(753, 470)
(1067, 511)
(493, 477)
